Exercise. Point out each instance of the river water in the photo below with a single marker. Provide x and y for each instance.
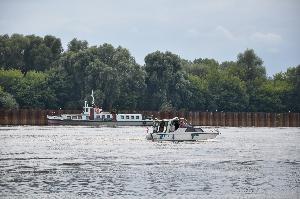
(85, 162)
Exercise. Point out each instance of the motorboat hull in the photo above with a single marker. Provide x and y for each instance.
(182, 136)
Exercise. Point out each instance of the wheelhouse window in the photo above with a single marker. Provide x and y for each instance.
(79, 117)
(69, 117)
(132, 117)
(127, 116)
(108, 116)
(137, 117)
(122, 117)
(74, 117)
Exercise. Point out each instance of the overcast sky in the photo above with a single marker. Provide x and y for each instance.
(218, 29)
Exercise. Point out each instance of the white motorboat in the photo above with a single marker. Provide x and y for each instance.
(175, 130)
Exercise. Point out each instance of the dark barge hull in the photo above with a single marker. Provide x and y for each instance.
(98, 123)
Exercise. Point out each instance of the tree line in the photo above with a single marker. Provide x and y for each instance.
(35, 72)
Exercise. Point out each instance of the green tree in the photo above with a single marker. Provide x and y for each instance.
(287, 86)
(30, 91)
(251, 66)
(164, 80)
(111, 72)
(225, 92)
(60, 83)
(273, 96)
(12, 51)
(35, 73)
(199, 90)
(7, 100)
(76, 45)
(201, 67)
(252, 72)
(29, 52)
(293, 77)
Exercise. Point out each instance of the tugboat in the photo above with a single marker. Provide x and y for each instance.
(94, 116)
(177, 130)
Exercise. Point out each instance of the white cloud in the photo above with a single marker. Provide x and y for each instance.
(228, 34)
(268, 38)
(219, 28)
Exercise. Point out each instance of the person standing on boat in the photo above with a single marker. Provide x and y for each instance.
(174, 126)
(161, 127)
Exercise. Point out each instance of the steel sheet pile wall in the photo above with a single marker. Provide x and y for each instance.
(38, 117)
(28, 116)
(238, 119)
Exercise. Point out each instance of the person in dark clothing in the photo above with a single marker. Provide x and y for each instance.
(176, 125)
(161, 127)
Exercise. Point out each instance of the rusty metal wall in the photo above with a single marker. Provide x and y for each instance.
(238, 119)
(28, 116)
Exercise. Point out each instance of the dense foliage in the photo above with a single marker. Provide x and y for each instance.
(36, 72)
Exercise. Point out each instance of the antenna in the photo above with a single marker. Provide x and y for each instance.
(93, 101)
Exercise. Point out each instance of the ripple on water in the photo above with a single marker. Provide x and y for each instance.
(75, 162)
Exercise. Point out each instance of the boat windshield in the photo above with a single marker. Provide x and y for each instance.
(192, 129)
(162, 126)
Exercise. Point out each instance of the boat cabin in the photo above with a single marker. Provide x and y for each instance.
(97, 114)
(166, 125)
(171, 125)
(129, 117)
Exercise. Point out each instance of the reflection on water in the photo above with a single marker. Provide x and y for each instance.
(120, 163)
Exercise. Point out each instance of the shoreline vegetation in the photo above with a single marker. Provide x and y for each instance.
(35, 72)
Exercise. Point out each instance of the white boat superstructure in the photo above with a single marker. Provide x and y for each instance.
(173, 130)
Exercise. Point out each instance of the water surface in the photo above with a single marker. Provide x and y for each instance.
(76, 162)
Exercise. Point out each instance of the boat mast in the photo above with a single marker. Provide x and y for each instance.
(93, 101)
